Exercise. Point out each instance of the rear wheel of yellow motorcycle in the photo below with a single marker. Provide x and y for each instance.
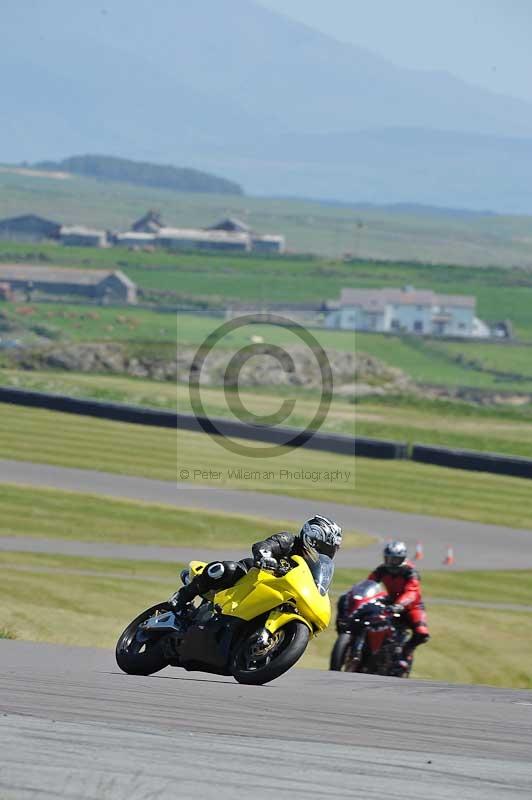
(259, 659)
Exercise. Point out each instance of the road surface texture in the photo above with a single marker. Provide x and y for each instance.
(476, 546)
(73, 726)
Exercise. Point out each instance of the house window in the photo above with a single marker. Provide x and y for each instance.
(419, 308)
(395, 325)
(418, 326)
(462, 326)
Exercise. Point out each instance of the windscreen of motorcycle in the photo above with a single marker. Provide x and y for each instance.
(322, 571)
(366, 589)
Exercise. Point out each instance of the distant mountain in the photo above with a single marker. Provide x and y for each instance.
(232, 88)
(143, 174)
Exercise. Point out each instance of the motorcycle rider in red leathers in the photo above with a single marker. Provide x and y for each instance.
(402, 583)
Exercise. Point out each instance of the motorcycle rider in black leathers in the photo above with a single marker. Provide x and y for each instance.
(318, 534)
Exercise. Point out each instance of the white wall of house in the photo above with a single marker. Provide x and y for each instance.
(452, 320)
(410, 318)
(479, 329)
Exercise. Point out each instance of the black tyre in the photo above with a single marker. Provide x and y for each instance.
(339, 652)
(255, 663)
(138, 655)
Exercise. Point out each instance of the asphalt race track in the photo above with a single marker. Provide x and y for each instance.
(73, 726)
(475, 546)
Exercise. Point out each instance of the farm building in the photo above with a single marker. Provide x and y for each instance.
(269, 243)
(29, 228)
(134, 239)
(192, 239)
(80, 236)
(406, 310)
(100, 285)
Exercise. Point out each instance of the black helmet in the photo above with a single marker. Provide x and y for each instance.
(394, 555)
(321, 534)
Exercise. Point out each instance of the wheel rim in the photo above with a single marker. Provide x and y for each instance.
(259, 651)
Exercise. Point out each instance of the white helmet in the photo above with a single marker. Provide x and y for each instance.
(321, 534)
(394, 555)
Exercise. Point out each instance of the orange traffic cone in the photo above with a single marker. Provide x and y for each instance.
(419, 552)
(449, 558)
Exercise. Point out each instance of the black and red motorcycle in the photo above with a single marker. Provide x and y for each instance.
(370, 636)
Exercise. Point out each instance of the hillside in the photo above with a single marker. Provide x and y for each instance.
(158, 176)
(228, 87)
(396, 233)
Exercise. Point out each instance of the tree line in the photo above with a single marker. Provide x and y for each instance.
(160, 176)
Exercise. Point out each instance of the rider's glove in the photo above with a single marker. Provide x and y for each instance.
(397, 608)
(265, 560)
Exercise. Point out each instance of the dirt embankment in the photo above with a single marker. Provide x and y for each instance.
(353, 374)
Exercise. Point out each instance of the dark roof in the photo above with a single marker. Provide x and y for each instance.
(149, 223)
(230, 224)
(25, 218)
(36, 274)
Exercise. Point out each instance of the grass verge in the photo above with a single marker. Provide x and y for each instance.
(49, 513)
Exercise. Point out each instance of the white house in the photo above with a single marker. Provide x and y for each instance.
(406, 310)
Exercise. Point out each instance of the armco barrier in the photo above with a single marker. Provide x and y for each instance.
(473, 461)
(89, 408)
(327, 442)
(380, 448)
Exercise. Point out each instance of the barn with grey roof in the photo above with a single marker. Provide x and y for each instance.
(92, 284)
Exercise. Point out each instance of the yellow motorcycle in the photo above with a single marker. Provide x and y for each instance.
(254, 631)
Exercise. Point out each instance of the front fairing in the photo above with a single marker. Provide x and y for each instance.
(366, 591)
(259, 592)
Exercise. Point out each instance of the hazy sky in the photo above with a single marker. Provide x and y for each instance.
(487, 42)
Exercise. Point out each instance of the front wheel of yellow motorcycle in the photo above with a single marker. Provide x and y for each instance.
(261, 657)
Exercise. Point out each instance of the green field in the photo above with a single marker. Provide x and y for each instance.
(95, 598)
(451, 424)
(309, 226)
(49, 513)
(502, 293)
(31, 435)
(74, 323)
(495, 367)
